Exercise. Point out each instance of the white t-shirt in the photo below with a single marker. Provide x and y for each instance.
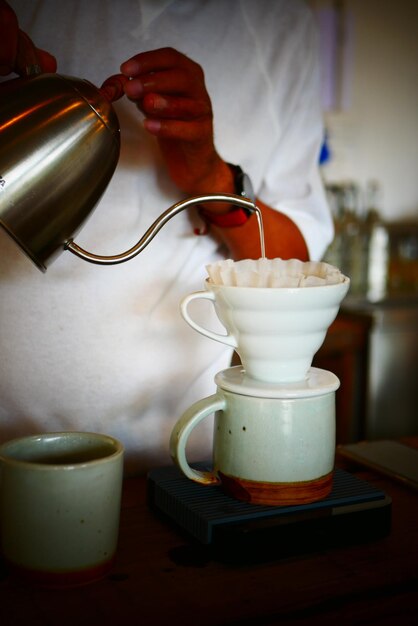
(97, 348)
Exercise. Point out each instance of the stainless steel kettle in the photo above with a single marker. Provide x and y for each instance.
(59, 147)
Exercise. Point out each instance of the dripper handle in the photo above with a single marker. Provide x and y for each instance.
(227, 339)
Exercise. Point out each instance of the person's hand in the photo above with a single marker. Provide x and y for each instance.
(169, 89)
(17, 51)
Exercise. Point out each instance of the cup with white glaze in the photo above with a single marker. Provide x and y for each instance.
(275, 330)
(60, 496)
(272, 445)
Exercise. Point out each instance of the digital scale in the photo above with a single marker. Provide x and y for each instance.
(235, 531)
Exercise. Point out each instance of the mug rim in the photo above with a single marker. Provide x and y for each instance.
(38, 465)
(317, 382)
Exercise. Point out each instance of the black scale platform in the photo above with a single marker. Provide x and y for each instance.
(354, 512)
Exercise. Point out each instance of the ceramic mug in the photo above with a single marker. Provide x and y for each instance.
(60, 497)
(272, 444)
(275, 330)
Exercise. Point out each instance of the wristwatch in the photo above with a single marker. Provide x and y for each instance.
(236, 216)
(243, 185)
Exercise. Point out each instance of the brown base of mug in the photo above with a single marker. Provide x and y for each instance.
(277, 494)
(61, 579)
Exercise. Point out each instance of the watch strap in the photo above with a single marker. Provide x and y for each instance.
(236, 216)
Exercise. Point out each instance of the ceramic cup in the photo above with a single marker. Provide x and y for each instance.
(275, 331)
(60, 499)
(272, 444)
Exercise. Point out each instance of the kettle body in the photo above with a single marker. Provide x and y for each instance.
(59, 147)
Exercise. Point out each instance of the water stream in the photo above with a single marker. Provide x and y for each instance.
(261, 231)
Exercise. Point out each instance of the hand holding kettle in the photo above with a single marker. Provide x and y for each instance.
(18, 52)
(46, 114)
(169, 89)
(19, 55)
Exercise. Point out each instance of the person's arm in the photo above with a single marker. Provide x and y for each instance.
(169, 88)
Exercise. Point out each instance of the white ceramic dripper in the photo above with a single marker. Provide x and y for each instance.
(275, 330)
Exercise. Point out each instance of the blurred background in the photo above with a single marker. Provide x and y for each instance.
(369, 163)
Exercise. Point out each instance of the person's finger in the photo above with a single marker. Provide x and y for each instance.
(179, 130)
(174, 81)
(157, 60)
(47, 61)
(173, 107)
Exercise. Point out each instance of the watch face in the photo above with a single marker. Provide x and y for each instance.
(247, 188)
(243, 185)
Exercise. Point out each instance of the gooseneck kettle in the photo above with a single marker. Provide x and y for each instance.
(59, 147)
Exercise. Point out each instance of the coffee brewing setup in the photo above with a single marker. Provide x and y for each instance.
(274, 433)
(271, 489)
(274, 439)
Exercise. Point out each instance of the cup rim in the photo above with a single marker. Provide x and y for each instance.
(33, 464)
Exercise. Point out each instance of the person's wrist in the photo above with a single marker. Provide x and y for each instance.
(231, 215)
(218, 178)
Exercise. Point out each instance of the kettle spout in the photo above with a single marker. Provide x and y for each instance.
(149, 235)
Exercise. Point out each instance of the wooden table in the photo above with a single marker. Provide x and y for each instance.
(160, 577)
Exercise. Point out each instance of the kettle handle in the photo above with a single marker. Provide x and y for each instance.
(157, 225)
(27, 60)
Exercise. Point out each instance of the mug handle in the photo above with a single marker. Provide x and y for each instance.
(181, 431)
(227, 339)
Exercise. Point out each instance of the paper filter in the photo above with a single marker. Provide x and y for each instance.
(273, 273)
